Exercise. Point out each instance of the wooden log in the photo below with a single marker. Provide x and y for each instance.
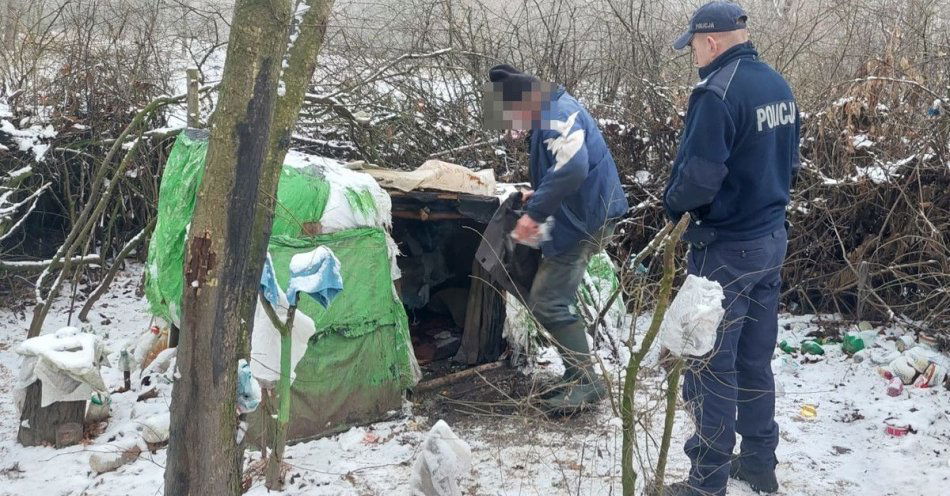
(59, 424)
(456, 377)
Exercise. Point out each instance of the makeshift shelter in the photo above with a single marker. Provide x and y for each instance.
(360, 361)
(408, 248)
(440, 211)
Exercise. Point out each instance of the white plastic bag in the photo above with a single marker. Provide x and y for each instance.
(690, 324)
(265, 344)
(443, 460)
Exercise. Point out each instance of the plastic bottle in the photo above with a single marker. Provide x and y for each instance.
(787, 348)
(852, 344)
(812, 348)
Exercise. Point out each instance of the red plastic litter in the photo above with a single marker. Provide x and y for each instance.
(897, 430)
(895, 387)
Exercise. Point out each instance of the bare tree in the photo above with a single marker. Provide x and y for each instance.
(264, 82)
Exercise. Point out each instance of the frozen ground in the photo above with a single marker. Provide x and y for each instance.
(843, 451)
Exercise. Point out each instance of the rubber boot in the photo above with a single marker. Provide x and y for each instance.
(762, 480)
(582, 386)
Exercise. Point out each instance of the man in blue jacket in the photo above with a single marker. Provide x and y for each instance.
(576, 186)
(737, 157)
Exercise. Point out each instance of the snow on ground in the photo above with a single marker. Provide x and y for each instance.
(843, 451)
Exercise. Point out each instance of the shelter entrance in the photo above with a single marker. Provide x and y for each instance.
(456, 316)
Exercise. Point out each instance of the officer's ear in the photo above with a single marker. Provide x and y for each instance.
(712, 44)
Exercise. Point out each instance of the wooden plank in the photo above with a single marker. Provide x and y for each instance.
(475, 207)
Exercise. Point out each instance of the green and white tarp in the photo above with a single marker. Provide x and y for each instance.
(359, 360)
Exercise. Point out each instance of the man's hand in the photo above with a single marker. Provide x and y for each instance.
(526, 194)
(526, 230)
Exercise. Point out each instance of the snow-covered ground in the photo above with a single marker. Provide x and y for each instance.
(843, 451)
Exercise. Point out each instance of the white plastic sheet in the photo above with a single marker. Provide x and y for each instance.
(65, 362)
(690, 324)
(443, 460)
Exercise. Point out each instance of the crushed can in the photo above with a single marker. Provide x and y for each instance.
(919, 358)
(895, 387)
(897, 429)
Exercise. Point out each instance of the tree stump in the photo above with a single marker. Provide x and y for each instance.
(59, 424)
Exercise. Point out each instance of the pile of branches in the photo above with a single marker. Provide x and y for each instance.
(870, 211)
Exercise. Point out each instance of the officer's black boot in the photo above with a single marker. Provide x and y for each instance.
(762, 479)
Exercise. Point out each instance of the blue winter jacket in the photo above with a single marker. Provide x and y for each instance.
(738, 151)
(573, 174)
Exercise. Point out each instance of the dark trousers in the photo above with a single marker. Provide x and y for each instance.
(554, 291)
(732, 389)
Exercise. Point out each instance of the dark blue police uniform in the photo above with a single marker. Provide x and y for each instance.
(736, 161)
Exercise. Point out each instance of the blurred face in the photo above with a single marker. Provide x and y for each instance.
(705, 49)
(522, 113)
(527, 112)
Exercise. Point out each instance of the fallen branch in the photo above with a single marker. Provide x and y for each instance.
(456, 377)
(30, 265)
(466, 147)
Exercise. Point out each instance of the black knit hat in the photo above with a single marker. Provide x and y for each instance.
(514, 83)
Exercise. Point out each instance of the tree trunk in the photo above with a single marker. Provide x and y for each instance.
(59, 424)
(627, 415)
(225, 255)
(250, 135)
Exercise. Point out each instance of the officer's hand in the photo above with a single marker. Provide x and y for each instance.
(526, 194)
(526, 229)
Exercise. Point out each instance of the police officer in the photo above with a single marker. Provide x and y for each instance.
(737, 157)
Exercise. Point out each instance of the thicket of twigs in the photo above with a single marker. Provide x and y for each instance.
(401, 82)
